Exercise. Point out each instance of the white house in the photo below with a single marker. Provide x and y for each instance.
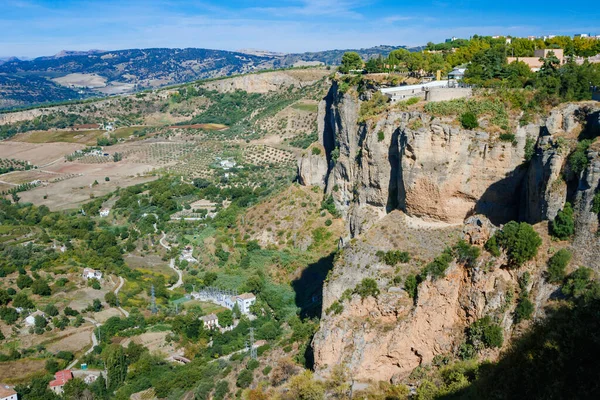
(104, 212)
(211, 321)
(7, 393)
(457, 74)
(30, 320)
(230, 301)
(244, 302)
(89, 273)
(227, 164)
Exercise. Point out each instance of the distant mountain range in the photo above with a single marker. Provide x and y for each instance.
(71, 75)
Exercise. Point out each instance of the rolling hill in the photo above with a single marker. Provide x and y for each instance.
(72, 75)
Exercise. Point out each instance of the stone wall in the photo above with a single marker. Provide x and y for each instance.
(445, 94)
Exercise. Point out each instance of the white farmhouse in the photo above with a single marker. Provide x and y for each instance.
(89, 273)
(7, 393)
(30, 320)
(104, 212)
(244, 302)
(211, 321)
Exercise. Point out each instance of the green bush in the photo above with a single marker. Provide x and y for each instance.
(336, 307)
(529, 149)
(596, 203)
(393, 257)
(557, 265)
(524, 309)
(507, 137)
(520, 241)
(328, 222)
(367, 287)
(437, 268)
(578, 160)
(412, 100)
(469, 120)
(492, 246)
(577, 283)
(380, 136)
(266, 370)
(316, 151)
(466, 254)
(244, 379)
(329, 205)
(484, 333)
(563, 225)
(252, 365)
(411, 285)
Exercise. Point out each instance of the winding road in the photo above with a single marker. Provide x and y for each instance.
(121, 283)
(94, 342)
(172, 263)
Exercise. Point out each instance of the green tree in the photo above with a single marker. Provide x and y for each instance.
(469, 120)
(225, 318)
(577, 282)
(4, 297)
(520, 241)
(367, 287)
(557, 265)
(22, 301)
(116, 365)
(51, 310)
(24, 281)
(350, 61)
(41, 288)
(563, 225)
(40, 322)
(524, 309)
(411, 285)
(52, 366)
(111, 299)
(75, 389)
(244, 379)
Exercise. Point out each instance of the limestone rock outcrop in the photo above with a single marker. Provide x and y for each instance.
(438, 175)
(312, 170)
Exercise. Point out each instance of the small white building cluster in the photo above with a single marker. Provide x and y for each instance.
(244, 301)
(211, 321)
(89, 273)
(104, 212)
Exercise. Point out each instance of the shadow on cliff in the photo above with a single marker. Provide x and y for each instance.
(557, 358)
(591, 126)
(396, 184)
(309, 287)
(501, 200)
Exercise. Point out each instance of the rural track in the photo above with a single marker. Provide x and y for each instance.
(121, 283)
(172, 263)
(98, 325)
(94, 341)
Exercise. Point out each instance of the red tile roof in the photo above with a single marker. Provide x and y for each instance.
(61, 377)
(6, 391)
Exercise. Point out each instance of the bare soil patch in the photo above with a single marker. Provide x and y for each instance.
(75, 183)
(87, 137)
(37, 154)
(73, 341)
(20, 370)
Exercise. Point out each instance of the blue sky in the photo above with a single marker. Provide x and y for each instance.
(44, 27)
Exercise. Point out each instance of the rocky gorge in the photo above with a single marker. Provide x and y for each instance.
(417, 182)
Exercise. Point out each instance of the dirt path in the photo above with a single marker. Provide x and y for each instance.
(121, 283)
(94, 341)
(172, 263)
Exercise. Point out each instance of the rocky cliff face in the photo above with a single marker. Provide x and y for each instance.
(425, 166)
(438, 176)
(385, 338)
